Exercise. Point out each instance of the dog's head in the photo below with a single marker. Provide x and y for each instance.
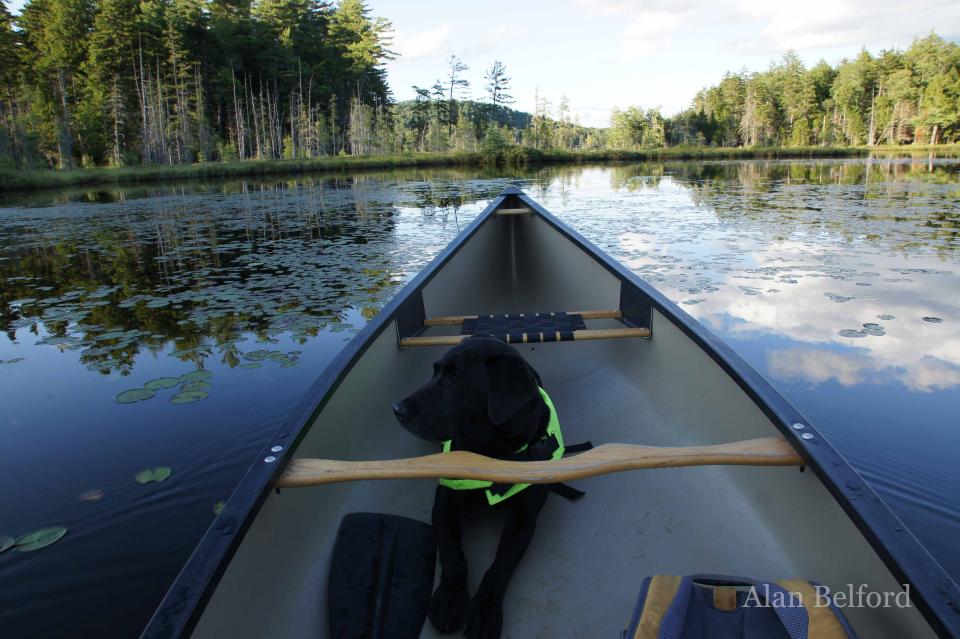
(483, 395)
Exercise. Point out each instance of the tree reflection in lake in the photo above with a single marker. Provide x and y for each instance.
(109, 280)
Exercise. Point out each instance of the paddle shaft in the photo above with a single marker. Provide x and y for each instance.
(602, 460)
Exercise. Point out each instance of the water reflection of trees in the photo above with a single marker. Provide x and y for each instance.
(271, 259)
(905, 205)
(759, 174)
(108, 194)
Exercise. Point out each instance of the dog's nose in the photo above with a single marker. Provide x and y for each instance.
(402, 411)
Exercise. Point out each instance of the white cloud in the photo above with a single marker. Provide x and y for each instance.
(919, 355)
(831, 24)
(636, 7)
(649, 32)
(605, 7)
(422, 43)
(816, 366)
(651, 24)
(819, 366)
(491, 42)
(765, 27)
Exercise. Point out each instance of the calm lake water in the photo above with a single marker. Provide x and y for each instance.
(175, 327)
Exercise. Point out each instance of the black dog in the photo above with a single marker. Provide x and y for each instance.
(485, 398)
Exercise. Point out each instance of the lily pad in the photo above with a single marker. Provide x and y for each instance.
(195, 386)
(188, 397)
(134, 395)
(932, 320)
(161, 382)
(872, 328)
(847, 332)
(14, 360)
(885, 317)
(250, 365)
(196, 376)
(218, 507)
(7, 542)
(159, 473)
(40, 538)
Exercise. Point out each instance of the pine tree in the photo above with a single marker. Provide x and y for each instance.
(107, 110)
(10, 72)
(797, 95)
(55, 33)
(454, 82)
(498, 87)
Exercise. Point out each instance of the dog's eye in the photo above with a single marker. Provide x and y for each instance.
(451, 377)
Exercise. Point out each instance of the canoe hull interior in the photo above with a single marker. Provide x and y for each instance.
(582, 572)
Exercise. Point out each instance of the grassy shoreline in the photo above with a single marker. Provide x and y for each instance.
(19, 180)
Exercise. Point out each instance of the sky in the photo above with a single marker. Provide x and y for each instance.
(602, 54)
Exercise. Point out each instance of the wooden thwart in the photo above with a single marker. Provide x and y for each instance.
(602, 460)
(596, 333)
(518, 211)
(454, 320)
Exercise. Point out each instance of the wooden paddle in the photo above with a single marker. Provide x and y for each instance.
(602, 460)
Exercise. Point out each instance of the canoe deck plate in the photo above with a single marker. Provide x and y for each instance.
(526, 327)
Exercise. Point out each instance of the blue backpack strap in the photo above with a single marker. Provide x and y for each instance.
(658, 596)
(637, 610)
(792, 614)
(826, 621)
(671, 624)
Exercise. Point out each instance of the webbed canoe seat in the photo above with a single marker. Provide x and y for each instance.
(526, 328)
(720, 607)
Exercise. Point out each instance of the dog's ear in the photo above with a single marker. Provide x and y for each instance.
(509, 386)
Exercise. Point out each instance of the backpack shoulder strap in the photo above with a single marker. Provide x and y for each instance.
(663, 607)
(825, 621)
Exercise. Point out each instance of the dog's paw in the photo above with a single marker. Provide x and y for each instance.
(484, 619)
(448, 606)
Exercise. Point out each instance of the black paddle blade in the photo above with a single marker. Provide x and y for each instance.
(381, 577)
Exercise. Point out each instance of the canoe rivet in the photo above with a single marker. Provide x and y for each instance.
(269, 459)
(798, 426)
(807, 435)
(276, 449)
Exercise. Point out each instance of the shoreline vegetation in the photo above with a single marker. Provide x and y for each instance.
(26, 179)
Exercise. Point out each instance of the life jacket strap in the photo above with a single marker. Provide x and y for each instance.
(567, 491)
(577, 448)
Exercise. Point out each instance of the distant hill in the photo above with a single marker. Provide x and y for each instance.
(504, 115)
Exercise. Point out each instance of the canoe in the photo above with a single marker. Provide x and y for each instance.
(637, 370)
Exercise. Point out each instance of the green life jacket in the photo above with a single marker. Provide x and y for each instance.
(498, 492)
